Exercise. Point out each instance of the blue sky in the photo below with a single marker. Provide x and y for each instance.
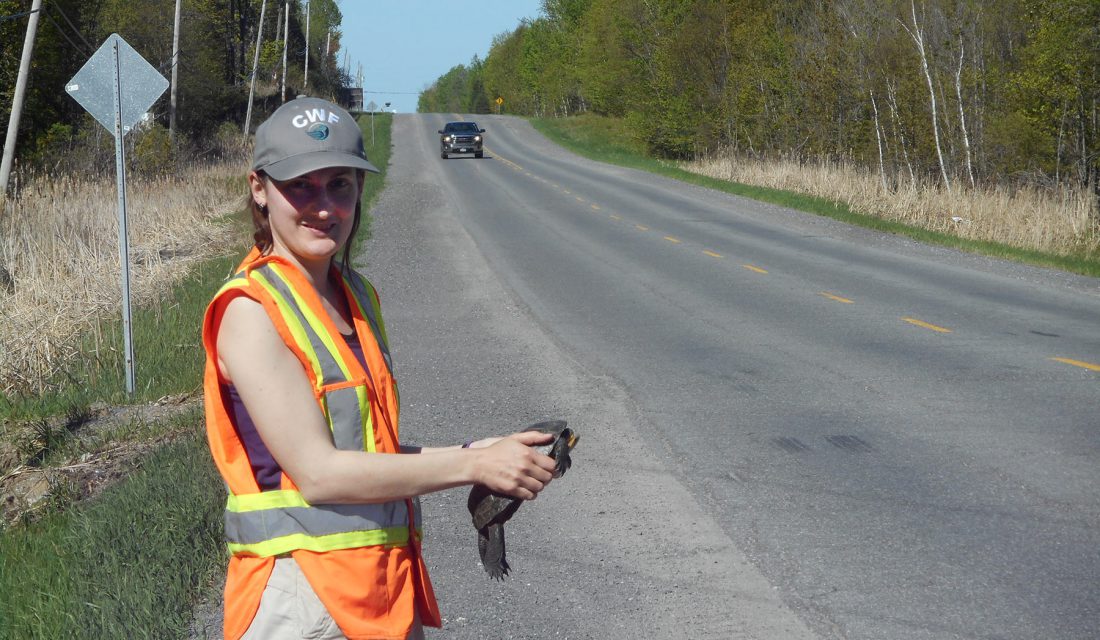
(405, 46)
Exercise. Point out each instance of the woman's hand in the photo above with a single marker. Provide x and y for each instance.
(510, 466)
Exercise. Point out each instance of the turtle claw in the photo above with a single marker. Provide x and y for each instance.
(490, 545)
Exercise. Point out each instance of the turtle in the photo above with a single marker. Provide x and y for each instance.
(490, 510)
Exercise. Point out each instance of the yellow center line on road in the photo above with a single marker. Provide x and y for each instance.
(579, 199)
(756, 269)
(1078, 363)
(616, 216)
(504, 160)
(712, 254)
(836, 297)
(672, 240)
(921, 323)
(595, 207)
(641, 227)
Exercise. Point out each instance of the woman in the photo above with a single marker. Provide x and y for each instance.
(302, 411)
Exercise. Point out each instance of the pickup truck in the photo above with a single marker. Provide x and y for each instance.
(460, 137)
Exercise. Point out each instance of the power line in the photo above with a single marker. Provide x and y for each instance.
(72, 26)
(64, 35)
(16, 16)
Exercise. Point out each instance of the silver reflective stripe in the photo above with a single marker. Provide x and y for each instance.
(330, 368)
(251, 527)
(343, 411)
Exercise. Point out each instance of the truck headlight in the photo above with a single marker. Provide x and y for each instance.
(477, 138)
(447, 138)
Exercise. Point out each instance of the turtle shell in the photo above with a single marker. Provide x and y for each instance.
(490, 510)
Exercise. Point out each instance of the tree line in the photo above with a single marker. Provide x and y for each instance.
(217, 43)
(956, 91)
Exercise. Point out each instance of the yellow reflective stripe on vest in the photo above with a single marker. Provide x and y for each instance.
(238, 282)
(265, 500)
(315, 322)
(292, 323)
(397, 536)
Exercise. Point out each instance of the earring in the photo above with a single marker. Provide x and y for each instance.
(262, 206)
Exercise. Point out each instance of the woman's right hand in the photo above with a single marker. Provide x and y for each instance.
(512, 467)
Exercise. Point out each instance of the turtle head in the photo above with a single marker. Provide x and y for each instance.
(560, 450)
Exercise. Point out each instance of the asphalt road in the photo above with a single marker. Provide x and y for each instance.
(789, 427)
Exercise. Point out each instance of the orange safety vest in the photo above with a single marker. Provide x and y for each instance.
(364, 561)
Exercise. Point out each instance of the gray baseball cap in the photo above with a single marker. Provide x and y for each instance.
(307, 134)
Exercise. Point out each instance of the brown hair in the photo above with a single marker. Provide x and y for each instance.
(261, 233)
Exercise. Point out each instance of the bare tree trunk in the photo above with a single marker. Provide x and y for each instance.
(962, 115)
(1058, 150)
(899, 130)
(917, 34)
(878, 139)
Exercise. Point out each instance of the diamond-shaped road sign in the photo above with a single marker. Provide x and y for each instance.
(94, 85)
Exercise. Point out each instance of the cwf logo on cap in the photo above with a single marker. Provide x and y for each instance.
(315, 120)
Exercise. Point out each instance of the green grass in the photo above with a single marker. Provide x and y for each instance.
(126, 565)
(132, 562)
(610, 140)
(378, 148)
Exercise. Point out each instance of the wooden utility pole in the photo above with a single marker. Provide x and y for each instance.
(17, 99)
(175, 76)
(255, 66)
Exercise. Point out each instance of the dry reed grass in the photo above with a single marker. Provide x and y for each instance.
(1064, 222)
(60, 266)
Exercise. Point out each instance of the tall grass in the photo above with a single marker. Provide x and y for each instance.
(1053, 228)
(59, 249)
(1059, 221)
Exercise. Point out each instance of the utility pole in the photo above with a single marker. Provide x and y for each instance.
(305, 79)
(17, 99)
(286, 36)
(175, 76)
(255, 66)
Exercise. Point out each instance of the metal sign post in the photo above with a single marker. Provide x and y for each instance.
(371, 107)
(123, 235)
(98, 87)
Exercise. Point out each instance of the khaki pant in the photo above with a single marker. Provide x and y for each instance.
(290, 610)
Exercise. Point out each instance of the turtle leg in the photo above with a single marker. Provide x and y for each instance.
(490, 544)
